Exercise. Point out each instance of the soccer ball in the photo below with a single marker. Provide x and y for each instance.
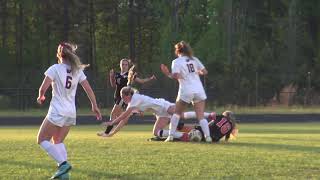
(195, 135)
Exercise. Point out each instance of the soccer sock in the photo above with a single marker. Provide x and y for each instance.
(173, 124)
(189, 115)
(62, 149)
(204, 126)
(165, 133)
(192, 114)
(52, 151)
(109, 128)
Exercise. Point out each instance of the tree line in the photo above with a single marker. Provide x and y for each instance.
(252, 49)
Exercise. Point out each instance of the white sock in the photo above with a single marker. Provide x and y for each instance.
(205, 128)
(192, 115)
(173, 124)
(189, 115)
(62, 149)
(165, 133)
(52, 151)
(206, 114)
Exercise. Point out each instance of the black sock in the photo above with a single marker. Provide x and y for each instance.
(63, 163)
(160, 133)
(180, 125)
(109, 128)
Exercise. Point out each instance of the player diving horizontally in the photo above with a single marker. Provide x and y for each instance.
(162, 109)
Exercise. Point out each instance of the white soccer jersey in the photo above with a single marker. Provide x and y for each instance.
(143, 103)
(188, 68)
(64, 86)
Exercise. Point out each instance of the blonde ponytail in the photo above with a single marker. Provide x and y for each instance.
(67, 51)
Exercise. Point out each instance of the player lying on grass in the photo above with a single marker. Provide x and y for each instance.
(220, 126)
(163, 110)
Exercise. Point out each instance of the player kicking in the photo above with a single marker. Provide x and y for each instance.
(64, 78)
(162, 109)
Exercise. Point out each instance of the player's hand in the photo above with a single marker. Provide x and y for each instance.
(165, 70)
(41, 99)
(111, 73)
(96, 110)
(108, 135)
(141, 113)
(153, 77)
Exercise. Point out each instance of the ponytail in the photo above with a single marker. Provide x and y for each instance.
(67, 52)
(183, 48)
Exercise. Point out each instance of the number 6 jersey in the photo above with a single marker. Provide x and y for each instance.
(64, 86)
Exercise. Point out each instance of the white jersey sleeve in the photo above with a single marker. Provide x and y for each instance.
(198, 64)
(51, 73)
(135, 101)
(175, 67)
(82, 76)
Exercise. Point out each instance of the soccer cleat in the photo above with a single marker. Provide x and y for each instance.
(62, 169)
(102, 133)
(208, 139)
(64, 176)
(156, 138)
(169, 139)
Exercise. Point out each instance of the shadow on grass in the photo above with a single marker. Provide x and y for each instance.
(270, 146)
(93, 174)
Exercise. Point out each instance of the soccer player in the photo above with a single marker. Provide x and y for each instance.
(64, 78)
(186, 70)
(220, 126)
(119, 80)
(162, 109)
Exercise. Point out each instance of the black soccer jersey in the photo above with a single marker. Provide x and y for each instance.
(121, 81)
(220, 127)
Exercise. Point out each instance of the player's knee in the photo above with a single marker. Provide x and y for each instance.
(41, 139)
(57, 140)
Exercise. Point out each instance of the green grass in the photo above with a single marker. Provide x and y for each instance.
(42, 111)
(262, 151)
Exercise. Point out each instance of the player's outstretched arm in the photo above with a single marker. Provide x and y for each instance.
(122, 119)
(165, 71)
(43, 89)
(87, 88)
(145, 80)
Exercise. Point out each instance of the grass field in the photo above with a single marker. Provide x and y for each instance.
(262, 151)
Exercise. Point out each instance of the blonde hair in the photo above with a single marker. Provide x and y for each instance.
(132, 73)
(127, 91)
(67, 51)
(183, 48)
(230, 115)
